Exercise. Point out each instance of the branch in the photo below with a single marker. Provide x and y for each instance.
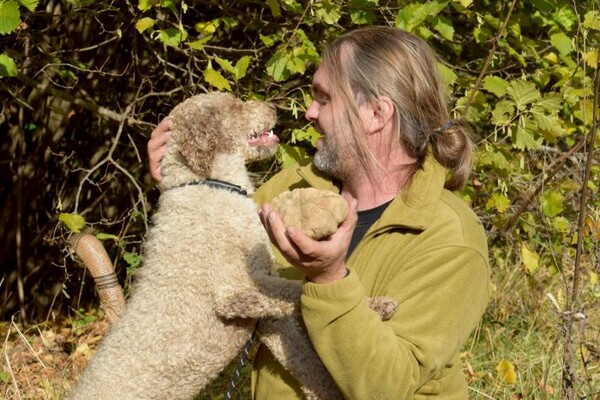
(488, 60)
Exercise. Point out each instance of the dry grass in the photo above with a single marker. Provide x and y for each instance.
(522, 326)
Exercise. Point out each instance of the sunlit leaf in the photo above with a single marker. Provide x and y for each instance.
(530, 259)
(445, 28)
(29, 4)
(503, 112)
(289, 155)
(524, 135)
(523, 93)
(199, 44)
(172, 36)
(8, 67)
(499, 202)
(495, 85)
(73, 222)
(448, 75)
(214, 78)
(225, 64)
(552, 203)
(506, 372)
(144, 24)
(592, 20)
(10, 17)
(144, 5)
(327, 11)
(562, 43)
(241, 67)
(206, 28)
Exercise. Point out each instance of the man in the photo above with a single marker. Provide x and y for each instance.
(388, 146)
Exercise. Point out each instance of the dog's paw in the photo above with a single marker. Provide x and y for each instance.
(384, 306)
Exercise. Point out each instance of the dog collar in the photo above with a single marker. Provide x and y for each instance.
(217, 184)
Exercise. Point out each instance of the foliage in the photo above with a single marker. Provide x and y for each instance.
(83, 83)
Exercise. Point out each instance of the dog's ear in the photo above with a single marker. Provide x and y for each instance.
(197, 138)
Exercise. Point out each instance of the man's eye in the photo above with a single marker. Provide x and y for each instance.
(322, 99)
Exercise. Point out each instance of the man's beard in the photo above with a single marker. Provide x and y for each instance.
(329, 160)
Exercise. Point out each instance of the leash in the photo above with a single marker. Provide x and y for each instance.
(237, 374)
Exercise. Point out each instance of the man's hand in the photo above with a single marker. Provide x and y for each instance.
(321, 261)
(157, 147)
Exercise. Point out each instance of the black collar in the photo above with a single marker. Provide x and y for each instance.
(217, 184)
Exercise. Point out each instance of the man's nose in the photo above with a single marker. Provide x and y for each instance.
(312, 112)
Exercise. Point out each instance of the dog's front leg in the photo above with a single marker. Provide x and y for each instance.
(291, 347)
(269, 297)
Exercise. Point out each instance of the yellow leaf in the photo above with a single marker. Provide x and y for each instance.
(144, 23)
(591, 228)
(506, 372)
(530, 258)
(74, 222)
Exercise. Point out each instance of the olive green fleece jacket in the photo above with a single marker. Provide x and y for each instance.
(429, 252)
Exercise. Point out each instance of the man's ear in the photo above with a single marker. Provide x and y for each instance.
(383, 110)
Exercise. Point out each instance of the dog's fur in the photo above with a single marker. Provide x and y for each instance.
(207, 251)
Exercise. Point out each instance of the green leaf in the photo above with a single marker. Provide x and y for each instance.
(241, 67)
(214, 78)
(144, 24)
(274, 6)
(464, 3)
(133, 260)
(495, 85)
(289, 155)
(73, 222)
(144, 5)
(523, 93)
(444, 27)
(592, 20)
(524, 135)
(8, 67)
(199, 44)
(309, 135)
(172, 36)
(530, 258)
(448, 75)
(562, 43)
(506, 372)
(362, 12)
(499, 202)
(29, 4)
(327, 11)
(10, 17)
(552, 203)
(107, 236)
(503, 113)
(276, 66)
(268, 40)
(551, 102)
(207, 28)
(225, 64)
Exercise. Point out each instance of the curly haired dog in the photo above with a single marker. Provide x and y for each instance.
(208, 270)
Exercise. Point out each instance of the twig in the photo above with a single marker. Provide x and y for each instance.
(568, 368)
(488, 60)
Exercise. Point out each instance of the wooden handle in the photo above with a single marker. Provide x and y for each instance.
(93, 254)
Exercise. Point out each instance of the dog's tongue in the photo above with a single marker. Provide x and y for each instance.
(265, 139)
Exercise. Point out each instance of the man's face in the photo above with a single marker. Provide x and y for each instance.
(332, 146)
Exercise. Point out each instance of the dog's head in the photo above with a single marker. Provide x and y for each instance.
(219, 123)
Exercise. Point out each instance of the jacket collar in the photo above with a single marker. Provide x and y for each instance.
(411, 210)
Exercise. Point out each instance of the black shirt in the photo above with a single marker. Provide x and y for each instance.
(366, 219)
